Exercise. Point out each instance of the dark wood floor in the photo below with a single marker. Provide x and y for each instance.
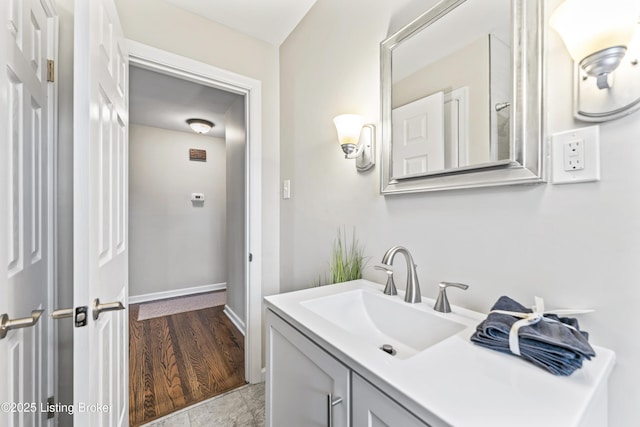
(178, 360)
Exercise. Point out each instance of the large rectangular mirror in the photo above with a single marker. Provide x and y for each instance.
(462, 97)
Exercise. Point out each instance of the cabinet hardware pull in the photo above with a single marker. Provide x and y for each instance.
(331, 402)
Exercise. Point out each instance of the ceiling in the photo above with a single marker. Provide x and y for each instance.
(268, 20)
(166, 102)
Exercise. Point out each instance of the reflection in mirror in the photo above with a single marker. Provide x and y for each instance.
(451, 118)
(451, 92)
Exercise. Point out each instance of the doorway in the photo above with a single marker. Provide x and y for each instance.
(247, 315)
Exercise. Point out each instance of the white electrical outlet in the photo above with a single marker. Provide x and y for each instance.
(575, 156)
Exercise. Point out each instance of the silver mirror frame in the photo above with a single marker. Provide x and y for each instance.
(527, 153)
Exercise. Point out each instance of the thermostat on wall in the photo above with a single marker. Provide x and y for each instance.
(197, 197)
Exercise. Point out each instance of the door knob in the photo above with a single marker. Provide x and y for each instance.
(108, 306)
(7, 324)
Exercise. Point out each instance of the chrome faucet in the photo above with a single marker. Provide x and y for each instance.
(412, 291)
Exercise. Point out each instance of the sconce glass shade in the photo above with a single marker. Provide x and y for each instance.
(591, 26)
(357, 140)
(349, 127)
(200, 126)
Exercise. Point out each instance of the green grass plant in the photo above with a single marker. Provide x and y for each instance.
(347, 258)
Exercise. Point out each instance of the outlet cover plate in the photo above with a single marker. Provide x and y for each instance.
(589, 138)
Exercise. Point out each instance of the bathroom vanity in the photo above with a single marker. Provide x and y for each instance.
(326, 367)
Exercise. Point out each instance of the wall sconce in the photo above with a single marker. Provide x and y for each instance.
(356, 139)
(200, 126)
(598, 36)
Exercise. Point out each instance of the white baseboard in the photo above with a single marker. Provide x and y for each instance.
(235, 319)
(136, 299)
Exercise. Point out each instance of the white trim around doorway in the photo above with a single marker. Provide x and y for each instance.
(154, 59)
(154, 296)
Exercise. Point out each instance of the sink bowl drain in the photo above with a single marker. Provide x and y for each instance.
(388, 348)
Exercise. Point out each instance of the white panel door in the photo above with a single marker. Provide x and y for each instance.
(418, 137)
(100, 214)
(24, 233)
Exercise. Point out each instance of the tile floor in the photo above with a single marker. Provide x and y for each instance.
(242, 407)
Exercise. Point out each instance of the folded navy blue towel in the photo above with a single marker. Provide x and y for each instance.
(551, 345)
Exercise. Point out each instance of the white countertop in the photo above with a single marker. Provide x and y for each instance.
(454, 382)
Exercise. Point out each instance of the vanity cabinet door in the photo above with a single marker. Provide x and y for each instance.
(372, 408)
(301, 380)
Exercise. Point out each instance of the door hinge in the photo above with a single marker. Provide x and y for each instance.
(51, 65)
(51, 403)
(250, 257)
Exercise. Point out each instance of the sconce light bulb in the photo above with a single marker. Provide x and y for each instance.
(349, 127)
(348, 140)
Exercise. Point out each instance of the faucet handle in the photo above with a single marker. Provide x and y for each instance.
(390, 288)
(442, 302)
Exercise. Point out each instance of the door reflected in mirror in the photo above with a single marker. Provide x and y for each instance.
(451, 92)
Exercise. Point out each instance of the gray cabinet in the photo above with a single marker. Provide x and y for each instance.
(305, 385)
(373, 408)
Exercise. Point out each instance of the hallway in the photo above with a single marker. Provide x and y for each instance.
(178, 360)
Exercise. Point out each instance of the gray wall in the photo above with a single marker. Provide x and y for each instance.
(173, 243)
(236, 254)
(575, 245)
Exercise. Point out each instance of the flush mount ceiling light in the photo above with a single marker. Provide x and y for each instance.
(356, 139)
(200, 126)
(600, 38)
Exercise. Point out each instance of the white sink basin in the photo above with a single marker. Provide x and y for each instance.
(381, 319)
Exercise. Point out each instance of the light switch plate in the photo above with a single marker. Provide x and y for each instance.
(286, 189)
(564, 155)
